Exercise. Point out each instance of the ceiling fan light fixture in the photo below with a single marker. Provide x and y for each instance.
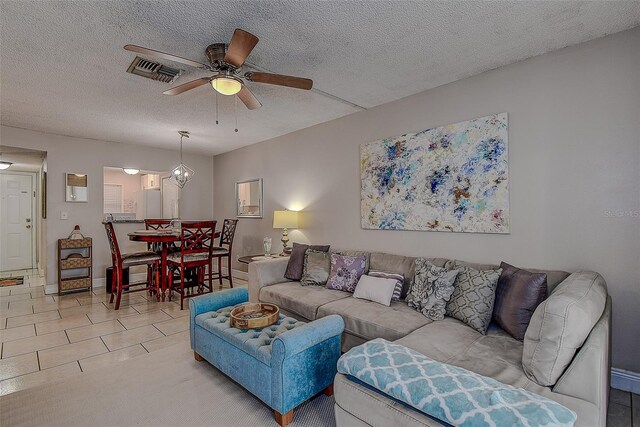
(226, 85)
(4, 165)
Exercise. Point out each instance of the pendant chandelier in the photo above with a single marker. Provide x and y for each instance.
(182, 173)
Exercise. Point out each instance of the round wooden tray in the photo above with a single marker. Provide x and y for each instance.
(254, 315)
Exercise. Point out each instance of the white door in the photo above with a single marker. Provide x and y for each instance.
(16, 222)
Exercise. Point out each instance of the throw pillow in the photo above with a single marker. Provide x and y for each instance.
(345, 272)
(316, 268)
(518, 294)
(431, 289)
(473, 297)
(376, 289)
(399, 278)
(296, 260)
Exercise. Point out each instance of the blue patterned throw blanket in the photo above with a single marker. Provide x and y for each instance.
(451, 394)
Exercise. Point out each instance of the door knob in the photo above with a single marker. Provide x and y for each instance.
(28, 226)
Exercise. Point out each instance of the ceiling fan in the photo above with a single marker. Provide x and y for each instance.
(225, 62)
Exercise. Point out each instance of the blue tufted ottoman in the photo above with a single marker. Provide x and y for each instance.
(283, 364)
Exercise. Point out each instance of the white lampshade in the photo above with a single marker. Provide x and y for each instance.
(131, 171)
(285, 219)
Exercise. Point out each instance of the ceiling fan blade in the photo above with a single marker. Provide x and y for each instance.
(248, 99)
(241, 45)
(187, 86)
(280, 80)
(158, 54)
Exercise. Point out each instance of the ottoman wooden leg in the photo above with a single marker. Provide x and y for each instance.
(329, 390)
(198, 357)
(283, 419)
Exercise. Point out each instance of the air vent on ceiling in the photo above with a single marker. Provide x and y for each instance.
(153, 70)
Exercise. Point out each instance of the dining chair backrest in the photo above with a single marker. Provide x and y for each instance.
(196, 237)
(116, 257)
(228, 233)
(157, 224)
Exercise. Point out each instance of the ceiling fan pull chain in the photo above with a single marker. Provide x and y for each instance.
(235, 110)
(216, 106)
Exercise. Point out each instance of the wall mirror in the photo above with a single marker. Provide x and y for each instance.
(249, 198)
(76, 188)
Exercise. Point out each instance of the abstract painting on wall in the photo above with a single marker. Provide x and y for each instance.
(449, 178)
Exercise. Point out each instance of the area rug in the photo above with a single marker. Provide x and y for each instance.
(164, 388)
(11, 281)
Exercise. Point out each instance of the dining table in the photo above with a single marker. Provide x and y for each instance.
(164, 238)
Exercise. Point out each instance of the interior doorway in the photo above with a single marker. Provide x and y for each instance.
(22, 210)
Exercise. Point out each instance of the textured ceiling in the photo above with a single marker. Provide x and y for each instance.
(63, 67)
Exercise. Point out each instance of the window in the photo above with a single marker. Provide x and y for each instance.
(112, 198)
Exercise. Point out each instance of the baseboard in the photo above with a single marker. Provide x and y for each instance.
(625, 380)
(100, 282)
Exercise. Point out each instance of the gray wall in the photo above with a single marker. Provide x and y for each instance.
(574, 151)
(77, 155)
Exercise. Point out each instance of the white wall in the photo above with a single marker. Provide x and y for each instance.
(76, 155)
(574, 152)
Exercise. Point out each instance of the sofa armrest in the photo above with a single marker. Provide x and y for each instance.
(306, 336)
(588, 375)
(265, 273)
(211, 302)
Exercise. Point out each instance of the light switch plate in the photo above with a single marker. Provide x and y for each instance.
(64, 215)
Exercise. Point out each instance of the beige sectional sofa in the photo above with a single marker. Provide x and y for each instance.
(582, 386)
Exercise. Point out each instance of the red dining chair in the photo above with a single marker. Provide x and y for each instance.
(196, 244)
(223, 250)
(120, 261)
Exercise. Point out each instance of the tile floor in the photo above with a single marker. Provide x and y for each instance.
(45, 337)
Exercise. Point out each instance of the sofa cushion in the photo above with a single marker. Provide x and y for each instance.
(473, 296)
(561, 324)
(518, 294)
(554, 277)
(404, 265)
(431, 289)
(376, 289)
(296, 260)
(398, 277)
(371, 320)
(496, 355)
(317, 265)
(345, 272)
(300, 300)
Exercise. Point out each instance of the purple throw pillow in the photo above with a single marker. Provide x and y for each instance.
(345, 272)
(518, 294)
(296, 260)
(397, 291)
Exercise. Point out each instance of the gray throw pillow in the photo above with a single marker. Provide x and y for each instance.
(296, 260)
(317, 265)
(473, 297)
(431, 289)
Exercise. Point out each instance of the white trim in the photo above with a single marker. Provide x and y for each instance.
(625, 380)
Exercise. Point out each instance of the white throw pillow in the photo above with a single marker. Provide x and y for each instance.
(375, 289)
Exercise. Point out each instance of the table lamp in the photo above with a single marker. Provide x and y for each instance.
(285, 220)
